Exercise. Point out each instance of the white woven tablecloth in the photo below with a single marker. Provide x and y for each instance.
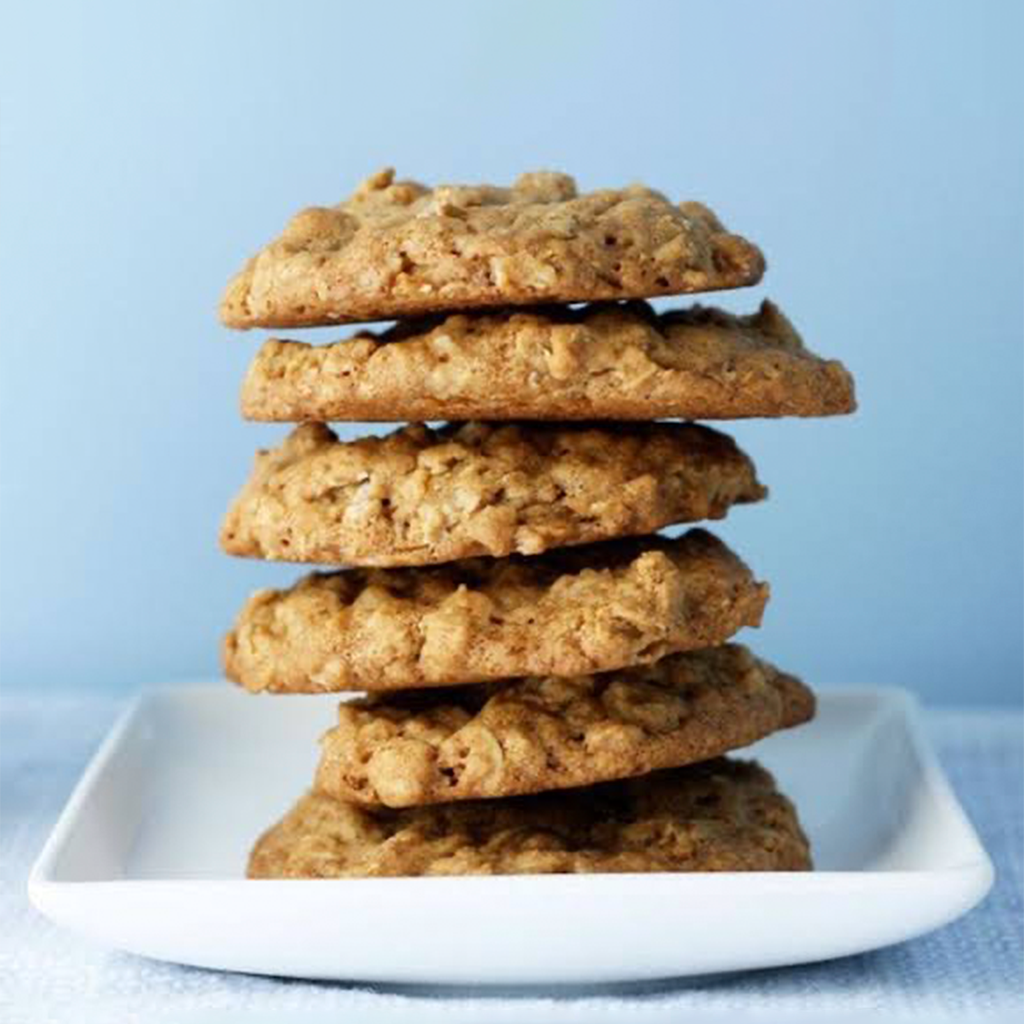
(969, 970)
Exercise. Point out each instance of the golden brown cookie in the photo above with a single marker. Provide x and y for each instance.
(599, 362)
(397, 249)
(531, 735)
(420, 496)
(721, 815)
(567, 612)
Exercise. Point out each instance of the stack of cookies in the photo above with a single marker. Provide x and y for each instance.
(548, 685)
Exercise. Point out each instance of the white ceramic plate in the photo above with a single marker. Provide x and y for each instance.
(149, 855)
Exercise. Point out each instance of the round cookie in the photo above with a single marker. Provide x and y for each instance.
(421, 496)
(397, 249)
(600, 362)
(531, 735)
(722, 815)
(568, 612)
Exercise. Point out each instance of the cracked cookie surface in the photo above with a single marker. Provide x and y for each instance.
(421, 496)
(568, 612)
(721, 815)
(530, 735)
(397, 249)
(600, 362)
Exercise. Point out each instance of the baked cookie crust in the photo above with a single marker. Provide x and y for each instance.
(721, 815)
(421, 496)
(568, 612)
(600, 362)
(531, 735)
(398, 248)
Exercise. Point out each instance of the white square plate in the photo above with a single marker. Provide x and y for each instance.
(149, 856)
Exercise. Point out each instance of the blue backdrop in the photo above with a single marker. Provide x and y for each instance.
(875, 149)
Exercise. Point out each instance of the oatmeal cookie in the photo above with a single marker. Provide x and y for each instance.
(530, 735)
(721, 815)
(569, 612)
(421, 496)
(616, 362)
(397, 249)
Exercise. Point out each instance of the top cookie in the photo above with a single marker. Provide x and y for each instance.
(398, 248)
(599, 362)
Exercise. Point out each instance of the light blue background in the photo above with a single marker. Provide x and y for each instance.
(876, 150)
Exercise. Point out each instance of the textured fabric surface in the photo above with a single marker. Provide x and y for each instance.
(969, 970)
